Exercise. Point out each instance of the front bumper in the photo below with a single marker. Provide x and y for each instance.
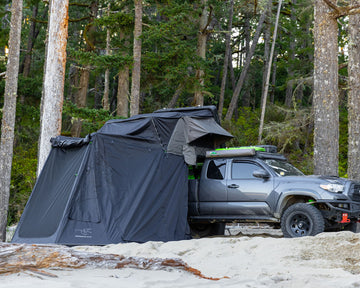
(341, 211)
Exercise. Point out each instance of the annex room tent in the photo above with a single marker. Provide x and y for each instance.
(120, 184)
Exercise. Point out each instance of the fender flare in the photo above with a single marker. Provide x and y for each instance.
(297, 193)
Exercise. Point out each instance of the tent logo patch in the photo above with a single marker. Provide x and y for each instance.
(83, 233)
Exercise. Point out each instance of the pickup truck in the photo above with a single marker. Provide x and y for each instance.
(256, 184)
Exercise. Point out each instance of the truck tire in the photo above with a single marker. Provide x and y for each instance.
(353, 227)
(200, 230)
(302, 220)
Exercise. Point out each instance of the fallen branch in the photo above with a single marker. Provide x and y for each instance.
(16, 258)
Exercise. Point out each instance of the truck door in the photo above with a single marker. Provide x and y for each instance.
(246, 193)
(213, 192)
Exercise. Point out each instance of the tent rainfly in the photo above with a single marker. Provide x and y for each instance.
(128, 182)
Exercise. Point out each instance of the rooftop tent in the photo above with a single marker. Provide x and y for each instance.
(119, 184)
(192, 132)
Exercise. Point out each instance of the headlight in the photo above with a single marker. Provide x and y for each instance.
(332, 187)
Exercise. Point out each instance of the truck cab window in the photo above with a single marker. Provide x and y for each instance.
(243, 170)
(216, 169)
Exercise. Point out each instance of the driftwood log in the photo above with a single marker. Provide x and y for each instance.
(16, 258)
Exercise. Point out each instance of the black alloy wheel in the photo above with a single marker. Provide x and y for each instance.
(301, 220)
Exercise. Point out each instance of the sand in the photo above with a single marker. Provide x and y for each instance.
(326, 260)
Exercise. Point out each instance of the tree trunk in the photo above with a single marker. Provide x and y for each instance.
(98, 92)
(80, 100)
(291, 72)
(105, 101)
(267, 41)
(273, 78)
(201, 52)
(81, 95)
(325, 101)
(30, 43)
(232, 73)
(266, 88)
(244, 71)
(9, 113)
(136, 71)
(16, 258)
(353, 97)
(123, 93)
(73, 82)
(245, 99)
(53, 87)
(176, 95)
(226, 59)
(33, 34)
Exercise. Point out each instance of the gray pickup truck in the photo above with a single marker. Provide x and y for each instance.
(256, 184)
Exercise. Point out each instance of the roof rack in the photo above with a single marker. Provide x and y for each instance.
(269, 148)
(232, 152)
(240, 151)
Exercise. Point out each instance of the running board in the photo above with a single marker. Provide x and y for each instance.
(232, 218)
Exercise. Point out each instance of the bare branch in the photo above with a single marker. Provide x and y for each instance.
(332, 5)
(342, 11)
(343, 65)
(354, 11)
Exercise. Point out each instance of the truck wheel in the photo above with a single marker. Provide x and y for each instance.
(200, 230)
(302, 220)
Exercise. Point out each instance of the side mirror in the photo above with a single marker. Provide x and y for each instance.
(261, 173)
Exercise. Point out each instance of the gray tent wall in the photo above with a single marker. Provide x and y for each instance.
(119, 185)
(44, 212)
(133, 195)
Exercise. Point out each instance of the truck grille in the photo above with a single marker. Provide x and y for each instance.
(355, 192)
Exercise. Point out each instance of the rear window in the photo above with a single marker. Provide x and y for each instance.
(216, 169)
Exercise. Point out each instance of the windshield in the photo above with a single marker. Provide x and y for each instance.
(283, 168)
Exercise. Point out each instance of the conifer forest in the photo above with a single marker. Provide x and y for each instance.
(284, 73)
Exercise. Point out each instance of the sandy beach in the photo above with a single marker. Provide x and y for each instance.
(326, 260)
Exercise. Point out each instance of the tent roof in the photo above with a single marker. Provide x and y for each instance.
(204, 132)
(198, 111)
(137, 124)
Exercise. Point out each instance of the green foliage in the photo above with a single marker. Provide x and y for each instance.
(169, 50)
(116, 21)
(4, 28)
(30, 89)
(245, 128)
(287, 128)
(291, 131)
(27, 125)
(92, 119)
(22, 180)
(23, 174)
(99, 62)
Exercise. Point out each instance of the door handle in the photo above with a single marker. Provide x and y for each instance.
(234, 186)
